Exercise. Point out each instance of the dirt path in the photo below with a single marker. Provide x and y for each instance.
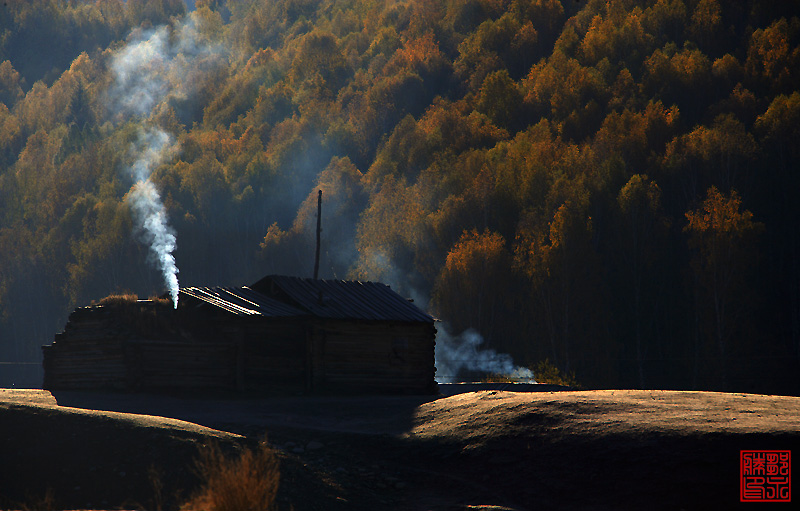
(551, 450)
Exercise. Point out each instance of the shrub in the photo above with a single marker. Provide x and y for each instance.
(249, 481)
(547, 372)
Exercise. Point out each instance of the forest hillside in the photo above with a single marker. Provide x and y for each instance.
(603, 185)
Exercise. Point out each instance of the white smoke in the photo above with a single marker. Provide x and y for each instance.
(463, 352)
(161, 64)
(152, 148)
(157, 66)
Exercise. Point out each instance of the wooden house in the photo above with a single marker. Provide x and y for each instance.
(282, 334)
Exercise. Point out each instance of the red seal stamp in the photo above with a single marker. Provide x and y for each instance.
(765, 476)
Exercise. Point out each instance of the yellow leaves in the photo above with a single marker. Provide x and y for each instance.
(545, 246)
(774, 55)
(718, 217)
(639, 196)
(692, 66)
(706, 20)
(782, 118)
(722, 147)
(723, 241)
(421, 55)
(618, 35)
(472, 287)
(561, 85)
(475, 252)
(274, 237)
(635, 135)
(392, 219)
(319, 66)
(728, 68)
(260, 58)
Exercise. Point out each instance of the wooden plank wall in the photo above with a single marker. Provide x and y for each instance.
(378, 357)
(273, 354)
(98, 350)
(180, 365)
(88, 354)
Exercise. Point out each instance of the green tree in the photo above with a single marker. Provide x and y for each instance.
(500, 99)
(10, 84)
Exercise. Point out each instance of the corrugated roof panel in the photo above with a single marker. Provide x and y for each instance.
(342, 299)
(242, 301)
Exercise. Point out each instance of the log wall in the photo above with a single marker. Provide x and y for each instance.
(377, 357)
(101, 349)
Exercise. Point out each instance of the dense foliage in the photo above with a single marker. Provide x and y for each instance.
(606, 185)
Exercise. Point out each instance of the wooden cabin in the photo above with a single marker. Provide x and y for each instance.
(282, 334)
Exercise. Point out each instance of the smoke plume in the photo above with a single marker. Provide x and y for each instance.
(155, 68)
(153, 147)
(462, 352)
(163, 64)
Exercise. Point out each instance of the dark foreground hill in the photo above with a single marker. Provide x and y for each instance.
(549, 450)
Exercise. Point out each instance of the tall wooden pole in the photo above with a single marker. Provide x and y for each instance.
(319, 230)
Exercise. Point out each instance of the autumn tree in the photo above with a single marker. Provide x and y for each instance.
(778, 130)
(643, 231)
(560, 264)
(718, 155)
(472, 290)
(723, 241)
(773, 55)
(319, 65)
(500, 99)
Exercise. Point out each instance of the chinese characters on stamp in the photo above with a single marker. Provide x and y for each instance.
(765, 476)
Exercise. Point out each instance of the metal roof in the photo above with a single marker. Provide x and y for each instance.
(341, 299)
(242, 301)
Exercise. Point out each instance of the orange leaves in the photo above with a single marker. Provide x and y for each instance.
(723, 241)
(260, 58)
(716, 154)
(706, 21)
(637, 135)
(420, 52)
(617, 36)
(782, 118)
(718, 221)
(472, 288)
(561, 85)
(420, 55)
(476, 252)
(774, 54)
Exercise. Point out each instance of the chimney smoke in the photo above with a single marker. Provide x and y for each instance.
(153, 146)
(157, 66)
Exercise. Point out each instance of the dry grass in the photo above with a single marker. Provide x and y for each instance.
(45, 503)
(247, 482)
(498, 378)
(124, 298)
